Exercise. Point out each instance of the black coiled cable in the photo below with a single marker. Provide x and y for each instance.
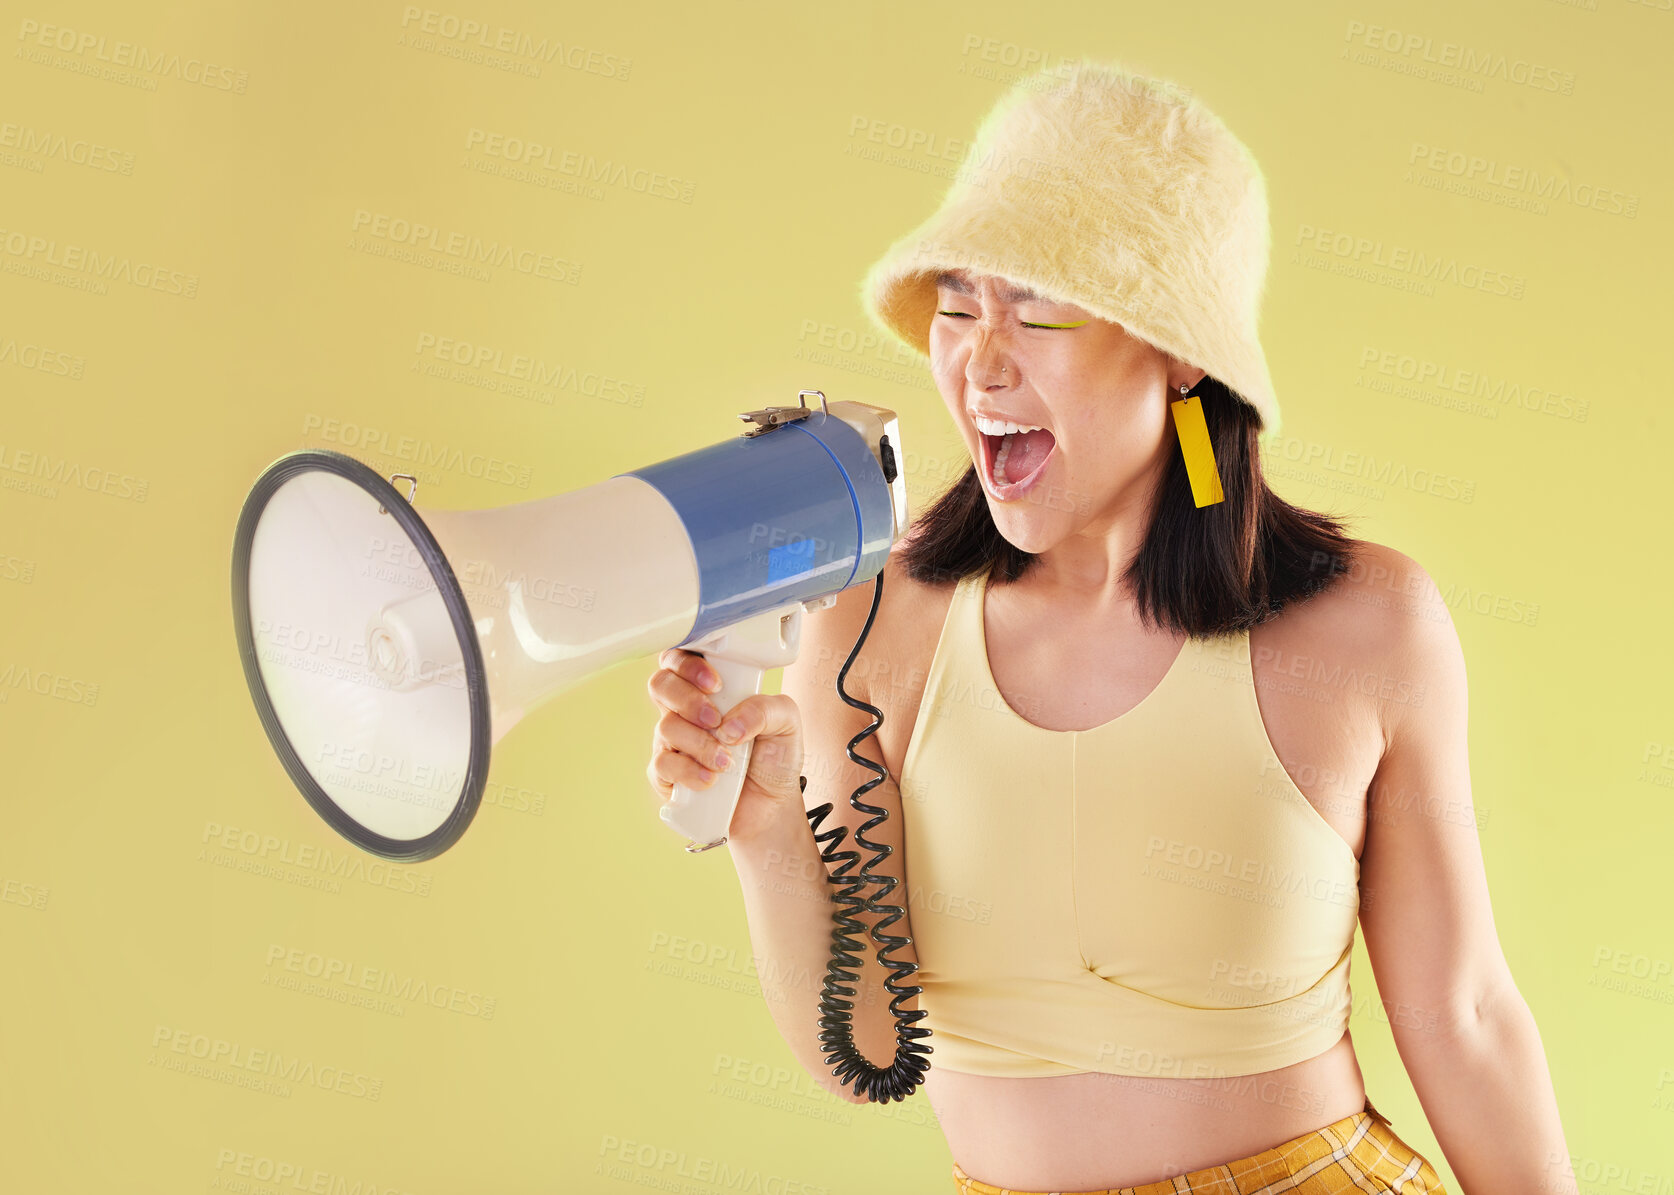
(898, 1080)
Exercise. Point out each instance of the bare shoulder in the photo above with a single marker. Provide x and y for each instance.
(1385, 619)
(1386, 603)
(892, 665)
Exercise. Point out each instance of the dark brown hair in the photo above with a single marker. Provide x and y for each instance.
(1202, 570)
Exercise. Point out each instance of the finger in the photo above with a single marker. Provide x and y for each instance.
(675, 692)
(692, 667)
(674, 767)
(680, 735)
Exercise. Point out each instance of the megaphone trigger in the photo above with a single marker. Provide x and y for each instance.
(740, 654)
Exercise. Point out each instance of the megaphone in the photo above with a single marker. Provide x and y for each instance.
(388, 647)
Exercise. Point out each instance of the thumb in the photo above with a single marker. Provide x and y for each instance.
(772, 724)
(761, 715)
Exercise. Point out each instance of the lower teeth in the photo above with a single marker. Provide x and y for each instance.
(1000, 462)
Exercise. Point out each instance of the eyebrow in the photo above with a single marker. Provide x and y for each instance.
(1009, 294)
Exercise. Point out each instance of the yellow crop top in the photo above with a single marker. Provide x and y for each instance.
(1153, 896)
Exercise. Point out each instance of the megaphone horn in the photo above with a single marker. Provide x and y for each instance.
(387, 648)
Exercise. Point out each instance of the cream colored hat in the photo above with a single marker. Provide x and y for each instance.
(1120, 193)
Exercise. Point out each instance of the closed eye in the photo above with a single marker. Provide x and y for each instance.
(1025, 323)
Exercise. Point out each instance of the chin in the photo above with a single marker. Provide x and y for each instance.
(1028, 528)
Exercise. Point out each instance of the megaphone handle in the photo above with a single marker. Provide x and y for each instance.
(705, 814)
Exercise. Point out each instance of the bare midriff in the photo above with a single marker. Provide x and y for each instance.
(1093, 1130)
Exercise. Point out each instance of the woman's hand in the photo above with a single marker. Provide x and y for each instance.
(686, 749)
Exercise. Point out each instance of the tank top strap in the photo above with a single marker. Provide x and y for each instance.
(949, 672)
(962, 632)
(956, 641)
(969, 630)
(1207, 682)
(1224, 657)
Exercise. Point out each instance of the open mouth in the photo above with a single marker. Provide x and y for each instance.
(1013, 463)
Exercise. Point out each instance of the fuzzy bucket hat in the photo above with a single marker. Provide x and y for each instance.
(1117, 192)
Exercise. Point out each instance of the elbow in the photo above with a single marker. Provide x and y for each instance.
(847, 1092)
(829, 1084)
(849, 1096)
(1469, 1016)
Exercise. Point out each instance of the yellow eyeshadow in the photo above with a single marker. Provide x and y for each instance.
(1025, 323)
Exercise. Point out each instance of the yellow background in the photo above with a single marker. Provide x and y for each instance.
(619, 966)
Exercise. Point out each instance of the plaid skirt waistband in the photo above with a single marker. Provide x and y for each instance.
(1358, 1153)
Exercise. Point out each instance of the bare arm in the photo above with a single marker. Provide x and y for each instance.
(787, 895)
(1464, 1032)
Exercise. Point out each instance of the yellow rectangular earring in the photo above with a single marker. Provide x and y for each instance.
(1195, 447)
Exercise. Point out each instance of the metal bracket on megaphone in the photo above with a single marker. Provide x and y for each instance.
(411, 490)
(768, 418)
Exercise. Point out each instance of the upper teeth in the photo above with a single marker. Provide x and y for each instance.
(994, 427)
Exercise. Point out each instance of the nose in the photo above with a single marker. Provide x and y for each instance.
(990, 362)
